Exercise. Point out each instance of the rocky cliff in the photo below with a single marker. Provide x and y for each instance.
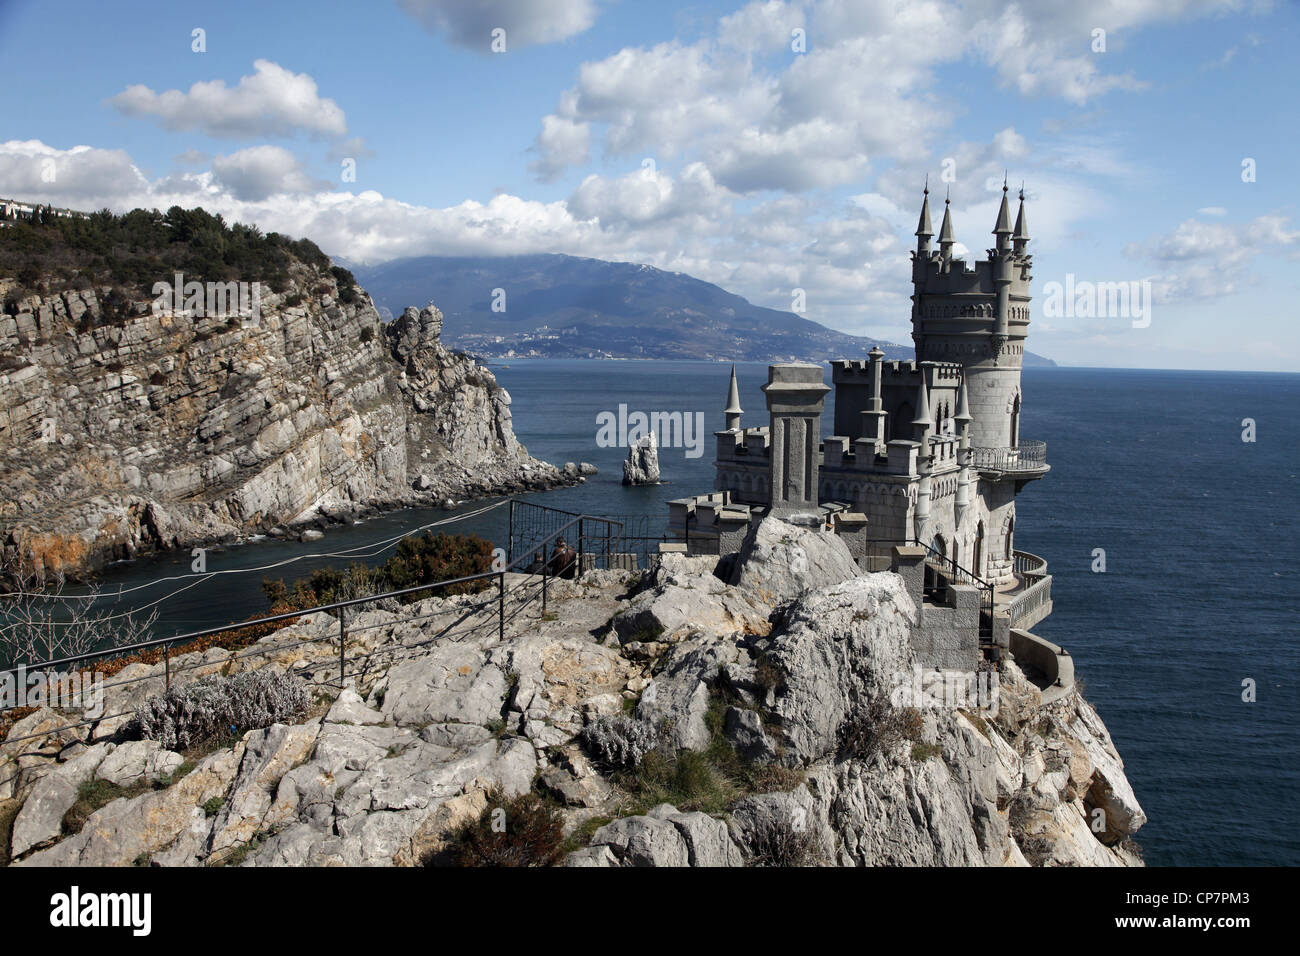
(677, 720)
(163, 429)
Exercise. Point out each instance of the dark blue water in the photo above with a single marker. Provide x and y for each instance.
(1199, 530)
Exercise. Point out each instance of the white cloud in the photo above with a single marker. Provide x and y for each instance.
(261, 171)
(272, 101)
(469, 23)
(1203, 260)
(561, 143)
(83, 176)
(762, 117)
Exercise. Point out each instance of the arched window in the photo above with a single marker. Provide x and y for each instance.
(1011, 533)
(1015, 422)
(977, 559)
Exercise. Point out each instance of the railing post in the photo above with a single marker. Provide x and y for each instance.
(545, 575)
(510, 535)
(580, 547)
(501, 607)
(167, 666)
(343, 636)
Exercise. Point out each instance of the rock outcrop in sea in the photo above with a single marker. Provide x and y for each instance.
(642, 464)
(795, 689)
(164, 430)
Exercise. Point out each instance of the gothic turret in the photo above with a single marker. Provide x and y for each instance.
(1021, 236)
(1002, 229)
(923, 228)
(945, 231)
(733, 410)
(923, 421)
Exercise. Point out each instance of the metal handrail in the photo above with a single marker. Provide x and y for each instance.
(987, 601)
(167, 642)
(1030, 599)
(1026, 456)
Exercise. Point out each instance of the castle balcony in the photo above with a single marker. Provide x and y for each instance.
(1026, 461)
(1028, 598)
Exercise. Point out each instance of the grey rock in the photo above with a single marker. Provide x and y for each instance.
(680, 703)
(138, 760)
(838, 649)
(349, 708)
(663, 837)
(642, 465)
(744, 729)
(41, 817)
(781, 561)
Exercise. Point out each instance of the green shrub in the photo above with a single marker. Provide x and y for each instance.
(418, 560)
(131, 252)
(925, 751)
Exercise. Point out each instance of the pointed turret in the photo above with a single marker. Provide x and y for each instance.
(945, 231)
(923, 420)
(733, 409)
(923, 228)
(1021, 236)
(1003, 228)
(963, 417)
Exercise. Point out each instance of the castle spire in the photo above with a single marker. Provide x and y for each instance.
(1003, 228)
(733, 409)
(945, 231)
(1021, 236)
(923, 228)
(963, 416)
(923, 420)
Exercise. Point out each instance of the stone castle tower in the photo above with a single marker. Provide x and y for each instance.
(925, 455)
(976, 315)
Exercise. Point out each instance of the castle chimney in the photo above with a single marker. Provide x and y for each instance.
(796, 396)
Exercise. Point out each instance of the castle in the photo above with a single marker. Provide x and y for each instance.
(922, 471)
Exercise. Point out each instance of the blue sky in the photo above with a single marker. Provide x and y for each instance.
(694, 137)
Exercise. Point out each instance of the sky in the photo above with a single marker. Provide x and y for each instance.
(768, 147)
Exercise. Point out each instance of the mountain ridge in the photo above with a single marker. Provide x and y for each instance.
(552, 305)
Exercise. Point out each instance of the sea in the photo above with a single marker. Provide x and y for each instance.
(1170, 522)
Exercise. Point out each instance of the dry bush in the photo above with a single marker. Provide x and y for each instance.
(877, 728)
(187, 716)
(515, 831)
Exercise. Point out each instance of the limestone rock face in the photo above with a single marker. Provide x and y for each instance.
(663, 837)
(802, 689)
(642, 465)
(169, 430)
(413, 330)
(781, 561)
(838, 649)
